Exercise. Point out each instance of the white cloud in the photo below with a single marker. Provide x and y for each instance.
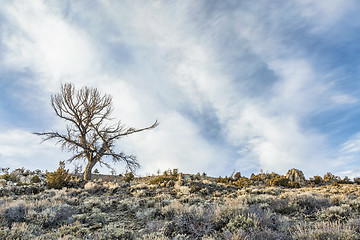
(344, 99)
(39, 39)
(20, 148)
(173, 67)
(324, 14)
(176, 144)
(352, 145)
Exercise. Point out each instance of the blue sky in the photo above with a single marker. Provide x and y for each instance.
(244, 85)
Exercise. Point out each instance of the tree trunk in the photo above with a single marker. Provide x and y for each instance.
(88, 169)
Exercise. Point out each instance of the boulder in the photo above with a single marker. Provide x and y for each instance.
(25, 179)
(2, 183)
(296, 175)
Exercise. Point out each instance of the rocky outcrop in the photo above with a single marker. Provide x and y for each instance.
(296, 175)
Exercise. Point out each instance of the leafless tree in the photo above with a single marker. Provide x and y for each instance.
(89, 132)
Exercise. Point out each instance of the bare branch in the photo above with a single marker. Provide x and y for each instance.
(89, 133)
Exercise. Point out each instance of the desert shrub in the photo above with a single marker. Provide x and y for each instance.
(317, 180)
(307, 203)
(335, 213)
(20, 183)
(345, 180)
(147, 214)
(4, 170)
(235, 180)
(59, 178)
(194, 221)
(16, 212)
(257, 234)
(282, 206)
(35, 179)
(19, 171)
(271, 175)
(242, 182)
(9, 177)
(247, 222)
(357, 180)
(128, 177)
(324, 230)
(21, 231)
(162, 179)
(52, 215)
(173, 173)
(166, 177)
(328, 177)
(237, 176)
(258, 179)
(198, 176)
(282, 181)
(335, 184)
(225, 180)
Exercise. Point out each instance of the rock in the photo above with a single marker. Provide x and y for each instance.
(25, 179)
(91, 185)
(296, 175)
(187, 177)
(2, 183)
(111, 185)
(9, 183)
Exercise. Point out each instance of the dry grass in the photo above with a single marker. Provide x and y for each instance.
(191, 209)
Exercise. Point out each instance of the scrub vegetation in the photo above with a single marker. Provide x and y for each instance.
(174, 205)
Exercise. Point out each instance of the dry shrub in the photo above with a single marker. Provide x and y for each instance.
(35, 179)
(324, 230)
(14, 212)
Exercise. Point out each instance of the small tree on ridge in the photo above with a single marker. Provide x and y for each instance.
(89, 133)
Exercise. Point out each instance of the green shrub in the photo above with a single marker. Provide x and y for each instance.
(162, 179)
(279, 181)
(128, 177)
(225, 180)
(9, 177)
(59, 178)
(174, 172)
(198, 176)
(328, 177)
(317, 180)
(335, 184)
(357, 180)
(235, 180)
(242, 182)
(237, 176)
(4, 170)
(167, 176)
(282, 181)
(35, 179)
(345, 180)
(258, 179)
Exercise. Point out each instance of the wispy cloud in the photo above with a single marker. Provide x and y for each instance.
(234, 85)
(19, 148)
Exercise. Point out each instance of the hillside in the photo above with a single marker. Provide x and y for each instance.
(176, 207)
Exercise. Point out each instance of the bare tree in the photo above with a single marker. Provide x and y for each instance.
(89, 132)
